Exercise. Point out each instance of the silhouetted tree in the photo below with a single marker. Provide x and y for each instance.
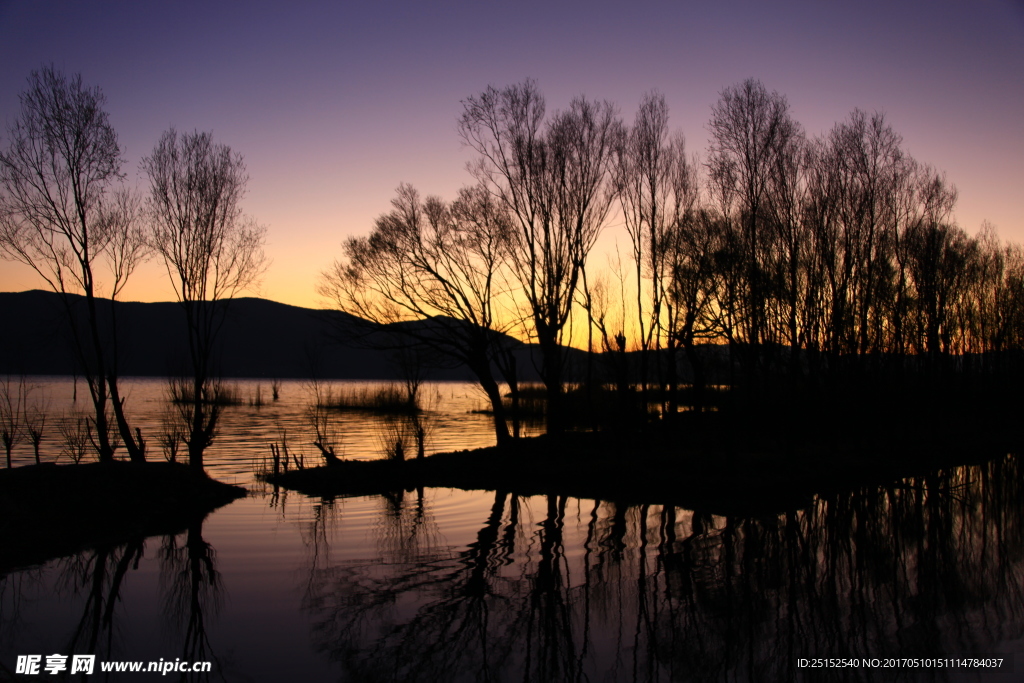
(35, 425)
(657, 186)
(212, 253)
(62, 214)
(863, 188)
(697, 253)
(76, 433)
(997, 293)
(13, 400)
(751, 132)
(552, 176)
(431, 275)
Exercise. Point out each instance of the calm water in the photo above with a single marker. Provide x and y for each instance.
(446, 585)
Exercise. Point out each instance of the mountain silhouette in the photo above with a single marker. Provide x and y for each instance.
(260, 338)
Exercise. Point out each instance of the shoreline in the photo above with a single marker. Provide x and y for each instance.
(49, 511)
(657, 467)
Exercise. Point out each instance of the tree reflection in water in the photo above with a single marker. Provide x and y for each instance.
(930, 566)
(191, 593)
(99, 575)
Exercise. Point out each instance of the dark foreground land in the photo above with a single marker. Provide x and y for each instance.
(49, 511)
(711, 463)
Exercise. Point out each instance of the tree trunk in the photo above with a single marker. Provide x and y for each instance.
(136, 447)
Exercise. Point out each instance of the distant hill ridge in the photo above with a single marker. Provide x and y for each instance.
(260, 338)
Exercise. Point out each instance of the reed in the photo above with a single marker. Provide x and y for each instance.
(390, 399)
(181, 391)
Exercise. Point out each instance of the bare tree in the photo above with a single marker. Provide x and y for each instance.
(657, 186)
(431, 275)
(13, 401)
(62, 215)
(697, 261)
(866, 182)
(76, 432)
(998, 290)
(553, 179)
(35, 424)
(212, 252)
(751, 129)
(172, 434)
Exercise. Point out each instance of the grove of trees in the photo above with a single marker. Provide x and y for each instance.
(66, 212)
(809, 263)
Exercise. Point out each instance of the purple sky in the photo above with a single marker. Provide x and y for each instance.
(334, 105)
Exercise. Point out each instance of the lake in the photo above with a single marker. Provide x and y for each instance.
(922, 579)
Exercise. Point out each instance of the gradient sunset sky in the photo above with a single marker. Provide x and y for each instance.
(333, 104)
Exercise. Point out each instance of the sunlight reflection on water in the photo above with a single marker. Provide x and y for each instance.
(243, 439)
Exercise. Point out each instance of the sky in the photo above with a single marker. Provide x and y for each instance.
(334, 104)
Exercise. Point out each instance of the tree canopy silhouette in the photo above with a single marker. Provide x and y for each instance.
(65, 214)
(212, 253)
(436, 261)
